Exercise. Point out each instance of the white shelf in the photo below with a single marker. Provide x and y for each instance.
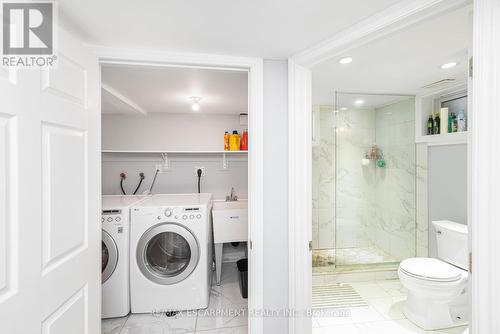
(427, 103)
(173, 152)
(445, 139)
(165, 154)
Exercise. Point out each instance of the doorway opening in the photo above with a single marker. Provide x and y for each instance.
(164, 126)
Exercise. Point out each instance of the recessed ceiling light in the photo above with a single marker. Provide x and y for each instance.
(359, 102)
(345, 60)
(335, 111)
(195, 103)
(448, 65)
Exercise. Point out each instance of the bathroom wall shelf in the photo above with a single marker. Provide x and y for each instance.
(429, 102)
(444, 139)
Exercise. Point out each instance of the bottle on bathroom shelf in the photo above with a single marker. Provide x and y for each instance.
(454, 126)
(234, 141)
(430, 125)
(462, 123)
(226, 141)
(437, 124)
(443, 117)
(450, 122)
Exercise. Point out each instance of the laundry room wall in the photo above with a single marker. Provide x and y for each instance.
(167, 131)
(180, 178)
(171, 132)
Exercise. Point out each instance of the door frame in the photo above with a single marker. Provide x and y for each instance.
(484, 142)
(254, 67)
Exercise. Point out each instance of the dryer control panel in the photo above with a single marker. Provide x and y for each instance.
(182, 213)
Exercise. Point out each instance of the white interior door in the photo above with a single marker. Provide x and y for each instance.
(50, 236)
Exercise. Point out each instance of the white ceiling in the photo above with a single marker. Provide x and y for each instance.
(401, 63)
(142, 90)
(346, 100)
(264, 28)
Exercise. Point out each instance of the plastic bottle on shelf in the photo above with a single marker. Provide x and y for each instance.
(437, 124)
(450, 122)
(454, 126)
(430, 125)
(462, 123)
(226, 141)
(244, 140)
(234, 141)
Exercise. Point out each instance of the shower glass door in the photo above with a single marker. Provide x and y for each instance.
(364, 181)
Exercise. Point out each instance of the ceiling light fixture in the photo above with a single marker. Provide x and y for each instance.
(345, 60)
(343, 108)
(195, 103)
(448, 65)
(359, 102)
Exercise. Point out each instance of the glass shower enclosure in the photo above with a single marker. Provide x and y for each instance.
(363, 181)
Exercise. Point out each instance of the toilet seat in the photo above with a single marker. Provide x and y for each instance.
(431, 269)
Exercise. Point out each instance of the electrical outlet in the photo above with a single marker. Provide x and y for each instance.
(162, 168)
(203, 171)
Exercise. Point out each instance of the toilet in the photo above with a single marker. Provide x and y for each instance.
(437, 288)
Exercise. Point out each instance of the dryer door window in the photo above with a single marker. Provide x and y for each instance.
(167, 253)
(109, 256)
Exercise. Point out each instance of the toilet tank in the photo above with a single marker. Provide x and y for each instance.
(452, 243)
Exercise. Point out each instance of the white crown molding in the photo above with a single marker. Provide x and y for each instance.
(126, 56)
(403, 14)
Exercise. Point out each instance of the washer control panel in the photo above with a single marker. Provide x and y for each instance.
(111, 216)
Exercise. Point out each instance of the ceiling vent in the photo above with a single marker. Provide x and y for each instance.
(438, 83)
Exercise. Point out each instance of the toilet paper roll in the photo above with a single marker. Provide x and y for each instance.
(443, 117)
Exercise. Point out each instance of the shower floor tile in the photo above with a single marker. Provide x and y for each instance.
(362, 255)
(332, 259)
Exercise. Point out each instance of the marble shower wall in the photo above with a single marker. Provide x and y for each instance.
(354, 204)
(355, 184)
(323, 186)
(393, 228)
(370, 206)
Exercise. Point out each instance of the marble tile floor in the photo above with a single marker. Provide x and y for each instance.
(383, 315)
(226, 314)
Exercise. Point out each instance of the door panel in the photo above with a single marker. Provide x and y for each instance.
(68, 81)
(50, 193)
(64, 217)
(7, 225)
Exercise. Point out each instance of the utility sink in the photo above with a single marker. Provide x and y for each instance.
(230, 221)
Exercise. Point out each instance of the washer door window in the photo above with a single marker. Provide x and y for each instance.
(109, 256)
(167, 253)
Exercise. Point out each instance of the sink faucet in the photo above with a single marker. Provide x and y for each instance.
(232, 197)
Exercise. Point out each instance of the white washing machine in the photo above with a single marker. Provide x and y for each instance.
(115, 221)
(171, 253)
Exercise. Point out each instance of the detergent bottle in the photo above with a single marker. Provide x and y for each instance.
(234, 141)
(244, 140)
(226, 141)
